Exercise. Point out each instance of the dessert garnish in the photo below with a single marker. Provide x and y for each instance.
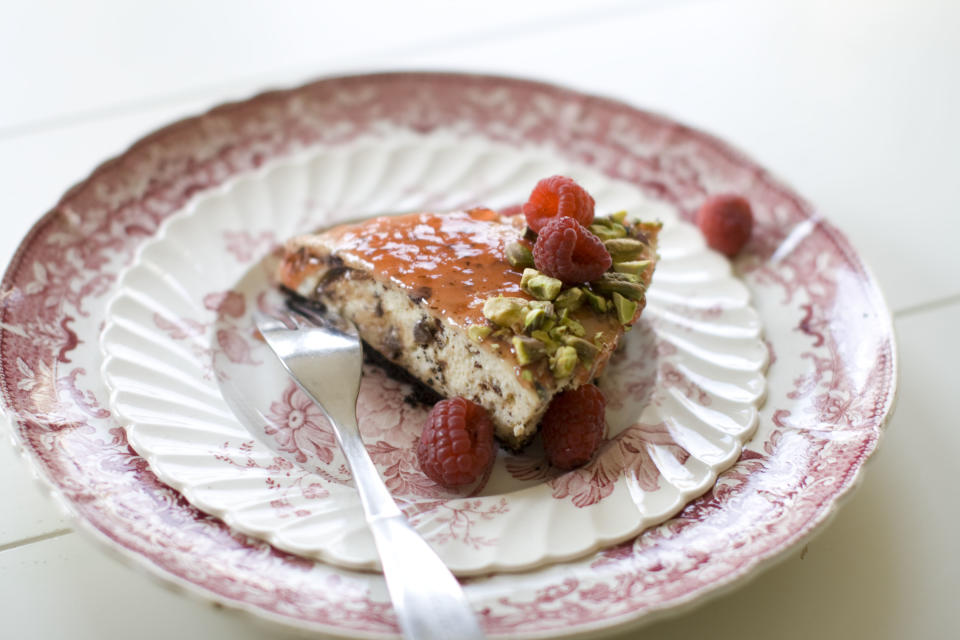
(557, 197)
(573, 267)
(456, 447)
(573, 426)
(567, 250)
(726, 221)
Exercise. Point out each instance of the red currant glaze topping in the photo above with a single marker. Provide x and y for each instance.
(456, 447)
(558, 196)
(568, 251)
(573, 425)
(726, 222)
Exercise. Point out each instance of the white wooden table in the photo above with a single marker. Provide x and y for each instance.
(856, 104)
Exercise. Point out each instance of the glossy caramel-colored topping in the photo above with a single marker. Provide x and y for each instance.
(451, 262)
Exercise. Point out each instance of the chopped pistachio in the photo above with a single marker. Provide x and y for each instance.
(533, 320)
(598, 303)
(545, 288)
(519, 256)
(546, 305)
(619, 216)
(540, 286)
(564, 362)
(602, 221)
(608, 232)
(528, 273)
(505, 311)
(527, 375)
(570, 299)
(625, 284)
(622, 277)
(558, 332)
(478, 332)
(549, 323)
(634, 267)
(623, 249)
(573, 326)
(626, 309)
(585, 349)
(549, 343)
(528, 349)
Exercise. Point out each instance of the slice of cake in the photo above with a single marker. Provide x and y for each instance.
(453, 299)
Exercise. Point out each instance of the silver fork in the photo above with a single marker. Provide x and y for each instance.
(324, 356)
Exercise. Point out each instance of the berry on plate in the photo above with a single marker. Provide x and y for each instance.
(568, 251)
(573, 425)
(557, 196)
(456, 447)
(726, 222)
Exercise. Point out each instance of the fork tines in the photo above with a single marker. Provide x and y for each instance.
(318, 314)
(315, 312)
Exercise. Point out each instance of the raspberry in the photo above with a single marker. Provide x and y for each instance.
(566, 250)
(558, 196)
(573, 425)
(726, 222)
(456, 446)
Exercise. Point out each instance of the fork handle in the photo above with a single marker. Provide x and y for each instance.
(427, 598)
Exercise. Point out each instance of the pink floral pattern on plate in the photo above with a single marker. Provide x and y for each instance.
(300, 428)
(831, 386)
(686, 384)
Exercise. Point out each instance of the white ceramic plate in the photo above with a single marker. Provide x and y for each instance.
(211, 410)
(830, 382)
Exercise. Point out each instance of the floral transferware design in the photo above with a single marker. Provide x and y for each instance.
(684, 387)
(789, 479)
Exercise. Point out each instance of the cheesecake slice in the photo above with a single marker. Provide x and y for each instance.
(438, 295)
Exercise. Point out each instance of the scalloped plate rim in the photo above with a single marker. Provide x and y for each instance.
(137, 559)
(270, 533)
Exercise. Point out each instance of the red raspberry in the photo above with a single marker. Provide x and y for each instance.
(566, 250)
(726, 222)
(557, 196)
(456, 446)
(573, 426)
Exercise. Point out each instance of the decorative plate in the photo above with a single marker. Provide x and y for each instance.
(830, 383)
(218, 419)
